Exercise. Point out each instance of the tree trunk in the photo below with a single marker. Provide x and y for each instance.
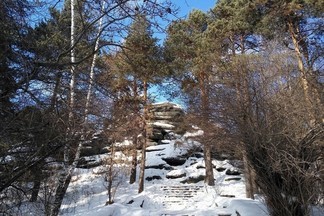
(304, 78)
(203, 80)
(301, 67)
(110, 176)
(136, 112)
(132, 178)
(36, 186)
(110, 182)
(142, 172)
(92, 75)
(55, 91)
(69, 169)
(243, 95)
(249, 185)
(209, 165)
(60, 191)
(66, 175)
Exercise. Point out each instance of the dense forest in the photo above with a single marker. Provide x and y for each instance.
(249, 73)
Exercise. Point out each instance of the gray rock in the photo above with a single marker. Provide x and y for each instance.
(176, 176)
(165, 118)
(150, 178)
(194, 180)
(232, 172)
(175, 161)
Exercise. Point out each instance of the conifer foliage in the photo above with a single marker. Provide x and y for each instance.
(250, 74)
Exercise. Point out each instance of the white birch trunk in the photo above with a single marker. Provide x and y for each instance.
(66, 176)
(91, 81)
(72, 84)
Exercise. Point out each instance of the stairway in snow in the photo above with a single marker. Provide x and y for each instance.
(179, 196)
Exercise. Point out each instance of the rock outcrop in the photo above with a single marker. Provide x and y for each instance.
(165, 120)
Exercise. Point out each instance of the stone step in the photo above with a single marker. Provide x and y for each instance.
(181, 192)
(177, 215)
(183, 187)
(218, 212)
(180, 195)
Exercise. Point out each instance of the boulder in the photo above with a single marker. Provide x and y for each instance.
(87, 163)
(233, 172)
(159, 166)
(175, 161)
(220, 169)
(174, 174)
(165, 118)
(200, 167)
(233, 179)
(150, 178)
(193, 180)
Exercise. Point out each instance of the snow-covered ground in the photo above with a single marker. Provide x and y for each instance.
(169, 189)
(87, 194)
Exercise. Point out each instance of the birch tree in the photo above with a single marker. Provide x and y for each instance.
(69, 169)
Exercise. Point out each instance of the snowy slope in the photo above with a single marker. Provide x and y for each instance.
(87, 193)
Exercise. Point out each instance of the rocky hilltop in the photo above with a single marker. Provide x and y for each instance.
(165, 119)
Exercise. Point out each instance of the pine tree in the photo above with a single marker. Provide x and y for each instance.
(189, 52)
(13, 56)
(130, 72)
(233, 24)
(301, 21)
(143, 62)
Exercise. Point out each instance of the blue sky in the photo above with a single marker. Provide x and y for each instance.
(188, 5)
(185, 6)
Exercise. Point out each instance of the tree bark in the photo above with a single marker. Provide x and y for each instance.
(110, 176)
(209, 179)
(60, 191)
(249, 185)
(203, 80)
(301, 67)
(69, 169)
(55, 91)
(132, 178)
(66, 175)
(36, 185)
(142, 172)
(299, 42)
(92, 75)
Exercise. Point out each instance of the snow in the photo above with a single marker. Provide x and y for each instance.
(124, 143)
(163, 125)
(248, 207)
(167, 102)
(198, 132)
(87, 193)
(7, 159)
(177, 172)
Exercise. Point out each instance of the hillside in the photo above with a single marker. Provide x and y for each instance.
(164, 191)
(174, 178)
